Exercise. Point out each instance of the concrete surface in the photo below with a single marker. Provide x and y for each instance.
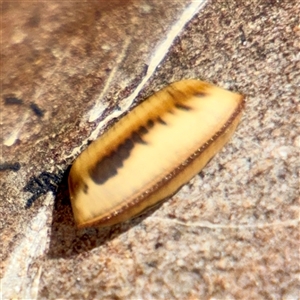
(70, 69)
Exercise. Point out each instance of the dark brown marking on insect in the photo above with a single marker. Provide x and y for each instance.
(136, 138)
(182, 106)
(103, 170)
(124, 149)
(161, 121)
(118, 157)
(174, 95)
(200, 94)
(177, 95)
(142, 130)
(109, 165)
(85, 188)
(150, 123)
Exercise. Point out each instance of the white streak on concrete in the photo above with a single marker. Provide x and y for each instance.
(159, 54)
(14, 135)
(21, 280)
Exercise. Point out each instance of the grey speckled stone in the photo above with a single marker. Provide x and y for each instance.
(233, 231)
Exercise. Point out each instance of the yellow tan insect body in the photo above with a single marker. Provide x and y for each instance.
(152, 151)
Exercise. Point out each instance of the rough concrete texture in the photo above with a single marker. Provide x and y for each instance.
(69, 70)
